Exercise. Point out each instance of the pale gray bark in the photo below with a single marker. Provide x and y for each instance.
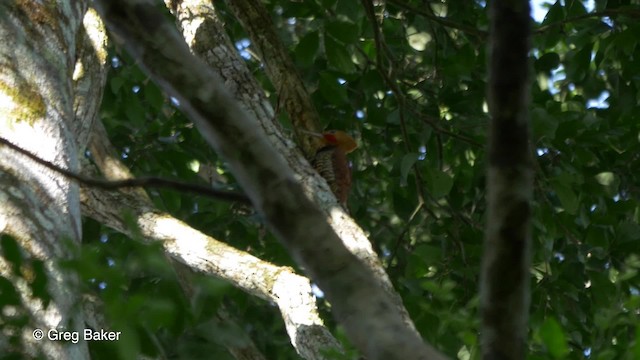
(279, 285)
(280, 69)
(39, 208)
(291, 292)
(89, 81)
(369, 314)
(298, 105)
(89, 77)
(207, 38)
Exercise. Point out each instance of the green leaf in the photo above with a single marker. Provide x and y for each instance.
(609, 181)
(11, 252)
(394, 117)
(345, 32)
(352, 10)
(439, 183)
(39, 285)
(577, 64)
(575, 8)
(300, 9)
(429, 254)
(606, 354)
(627, 40)
(369, 48)
(555, 14)
(567, 197)
(328, 3)
(307, 48)
(442, 291)
(628, 231)
(544, 125)
(554, 34)
(337, 56)
(116, 83)
(332, 90)
(405, 166)
(597, 237)
(554, 338)
(153, 95)
(371, 81)
(134, 110)
(8, 293)
(548, 62)
(418, 40)
(636, 346)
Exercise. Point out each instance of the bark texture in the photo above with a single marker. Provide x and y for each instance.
(204, 254)
(280, 69)
(369, 314)
(206, 37)
(505, 272)
(40, 209)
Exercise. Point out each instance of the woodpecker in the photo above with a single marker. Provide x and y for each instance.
(330, 161)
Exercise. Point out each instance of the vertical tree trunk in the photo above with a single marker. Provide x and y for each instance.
(38, 208)
(505, 271)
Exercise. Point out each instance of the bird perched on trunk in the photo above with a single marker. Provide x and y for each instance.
(330, 161)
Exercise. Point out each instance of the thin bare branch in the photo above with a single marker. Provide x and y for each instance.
(632, 13)
(442, 21)
(146, 182)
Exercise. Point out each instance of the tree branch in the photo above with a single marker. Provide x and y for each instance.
(205, 35)
(204, 254)
(632, 13)
(442, 21)
(370, 316)
(147, 181)
(281, 70)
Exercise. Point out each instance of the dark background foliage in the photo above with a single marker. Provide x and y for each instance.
(415, 99)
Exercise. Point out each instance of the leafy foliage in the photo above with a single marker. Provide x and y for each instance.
(412, 88)
(30, 272)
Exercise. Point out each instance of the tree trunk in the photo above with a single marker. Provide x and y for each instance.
(40, 210)
(506, 261)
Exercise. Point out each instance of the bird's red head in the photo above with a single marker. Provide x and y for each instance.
(340, 139)
(335, 138)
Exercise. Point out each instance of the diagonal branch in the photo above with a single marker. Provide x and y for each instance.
(370, 316)
(279, 67)
(204, 254)
(209, 41)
